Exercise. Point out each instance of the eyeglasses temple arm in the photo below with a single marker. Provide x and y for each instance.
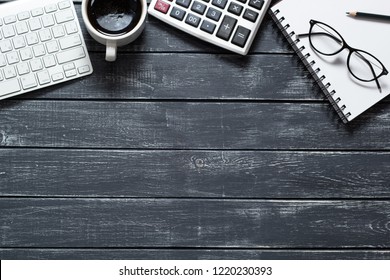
(372, 70)
(320, 33)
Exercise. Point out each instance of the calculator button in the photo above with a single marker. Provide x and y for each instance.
(198, 7)
(207, 26)
(183, 3)
(235, 8)
(241, 36)
(193, 20)
(258, 4)
(226, 28)
(206, 1)
(219, 3)
(177, 13)
(250, 15)
(162, 6)
(242, 1)
(213, 14)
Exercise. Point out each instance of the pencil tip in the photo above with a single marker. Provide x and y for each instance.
(347, 13)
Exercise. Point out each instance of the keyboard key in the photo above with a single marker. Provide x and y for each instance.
(258, 4)
(213, 14)
(9, 72)
(241, 36)
(162, 6)
(23, 15)
(23, 68)
(83, 69)
(250, 15)
(235, 8)
(5, 46)
(45, 35)
(47, 20)
(8, 31)
(70, 55)
(25, 54)
(8, 87)
(10, 19)
(32, 39)
(52, 47)
(177, 13)
(70, 41)
(68, 66)
(207, 26)
(219, 3)
(50, 8)
(43, 77)
(37, 12)
(63, 5)
(193, 20)
(58, 31)
(28, 81)
(12, 57)
(19, 42)
(64, 16)
(183, 3)
(36, 64)
(198, 7)
(71, 27)
(49, 61)
(21, 27)
(39, 50)
(34, 24)
(57, 77)
(242, 1)
(226, 28)
(70, 73)
(2, 61)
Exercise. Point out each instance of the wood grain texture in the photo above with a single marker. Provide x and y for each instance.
(166, 125)
(192, 174)
(160, 37)
(181, 76)
(139, 223)
(191, 254)
(181, 150)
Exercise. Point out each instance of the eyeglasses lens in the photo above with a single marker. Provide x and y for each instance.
(325, 39)
(364, 66)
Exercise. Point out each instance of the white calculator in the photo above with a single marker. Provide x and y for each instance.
(230, 24)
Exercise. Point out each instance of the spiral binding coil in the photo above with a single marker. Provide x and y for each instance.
(310, 65)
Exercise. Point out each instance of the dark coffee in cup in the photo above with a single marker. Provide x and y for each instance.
(114, 17)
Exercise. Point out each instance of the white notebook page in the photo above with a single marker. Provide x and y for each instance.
(368, 35)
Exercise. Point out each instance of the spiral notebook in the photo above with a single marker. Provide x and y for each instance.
(349, 96)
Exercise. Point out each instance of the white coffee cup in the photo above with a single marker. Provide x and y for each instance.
(107, 37)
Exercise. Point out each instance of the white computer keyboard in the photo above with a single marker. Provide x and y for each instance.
(230, 24)
(41, 44)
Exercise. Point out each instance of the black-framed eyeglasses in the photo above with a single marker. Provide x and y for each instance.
(362, 65)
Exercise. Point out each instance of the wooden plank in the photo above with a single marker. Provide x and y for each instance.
(145, 223)
(190, 254)
(216, 174)
(160, 37)
(189, 76)
(166, 125)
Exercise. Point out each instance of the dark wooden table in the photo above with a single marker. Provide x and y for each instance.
(181, 150)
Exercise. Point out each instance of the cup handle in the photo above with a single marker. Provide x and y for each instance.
(111, 51)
